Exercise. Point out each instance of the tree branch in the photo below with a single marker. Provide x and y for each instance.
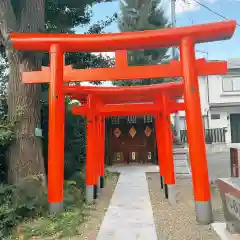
(8, 22)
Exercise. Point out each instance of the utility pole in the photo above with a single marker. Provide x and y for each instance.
(174, 57)
(173, 16)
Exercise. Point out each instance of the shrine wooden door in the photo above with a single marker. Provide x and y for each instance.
(132, 140)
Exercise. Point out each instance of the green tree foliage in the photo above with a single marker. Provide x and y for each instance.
(61, 16)
(3, 77)
(140, 15)
(38, 16)
(5, 128)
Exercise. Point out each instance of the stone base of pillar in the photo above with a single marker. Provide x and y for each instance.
(101, 182)
(89, 194)
(173, 194)
(55, 208)
(204, 213)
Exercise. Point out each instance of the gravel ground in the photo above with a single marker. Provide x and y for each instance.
(90, 228)
(178, 222)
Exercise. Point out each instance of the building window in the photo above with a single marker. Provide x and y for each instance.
(148, 119)
(215, 116)
(132, 119)
(115, 120)
(231, 83)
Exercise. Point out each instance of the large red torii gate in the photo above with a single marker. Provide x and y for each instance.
(185, 38)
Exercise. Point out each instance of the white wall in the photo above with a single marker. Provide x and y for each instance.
(218, 123)
(216, 92)
(217, 95)
(203, 89)
(203, 98)
(224, 121)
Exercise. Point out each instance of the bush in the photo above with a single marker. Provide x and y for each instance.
(24, 200)
(23, 204)
(20, 201)
(6, 135)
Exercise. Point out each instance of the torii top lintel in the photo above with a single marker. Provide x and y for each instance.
(120, 41)
(134, 94)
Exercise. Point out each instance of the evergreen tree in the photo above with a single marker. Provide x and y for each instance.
(139, 15)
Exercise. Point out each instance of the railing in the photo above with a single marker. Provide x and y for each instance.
(214, 135)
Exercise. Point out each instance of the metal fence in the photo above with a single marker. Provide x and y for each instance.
(214, 135)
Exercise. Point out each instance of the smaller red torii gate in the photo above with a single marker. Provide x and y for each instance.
(130, 110)
(188, 68)
(121, 107)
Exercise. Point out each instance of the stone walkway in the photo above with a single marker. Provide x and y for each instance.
(130, 215)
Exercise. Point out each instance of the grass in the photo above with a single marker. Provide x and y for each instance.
(65, 224)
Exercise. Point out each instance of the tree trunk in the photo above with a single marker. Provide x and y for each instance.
(25, 153)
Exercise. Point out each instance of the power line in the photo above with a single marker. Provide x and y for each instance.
(181, 5)
(209, 9)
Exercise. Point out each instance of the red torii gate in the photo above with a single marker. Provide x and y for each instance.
(102, 111)
(114, 101)
(133, 109)
(187, 68)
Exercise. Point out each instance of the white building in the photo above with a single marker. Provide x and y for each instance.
(220, 102)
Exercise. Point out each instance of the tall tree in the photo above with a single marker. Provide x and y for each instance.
(139, 15)
(25, 153)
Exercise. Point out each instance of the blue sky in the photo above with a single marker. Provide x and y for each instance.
(188, 14)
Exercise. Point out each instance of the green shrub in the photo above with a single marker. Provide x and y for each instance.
(23, 203)
(20, 201)
(6, 135)
(63, 224)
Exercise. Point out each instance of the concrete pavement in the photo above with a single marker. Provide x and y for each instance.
(130, 215)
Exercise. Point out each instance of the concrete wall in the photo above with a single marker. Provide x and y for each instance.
(217, 95)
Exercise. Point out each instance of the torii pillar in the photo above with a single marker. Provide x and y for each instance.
(197, 149)
(160, 147)
(91, 166)
(169, 173)
(102, 151)
(56, 131)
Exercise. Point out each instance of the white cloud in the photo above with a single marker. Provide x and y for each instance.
(186, 6)
(190, 5)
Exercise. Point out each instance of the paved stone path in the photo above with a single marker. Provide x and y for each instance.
(181, 162)
(130, 215)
